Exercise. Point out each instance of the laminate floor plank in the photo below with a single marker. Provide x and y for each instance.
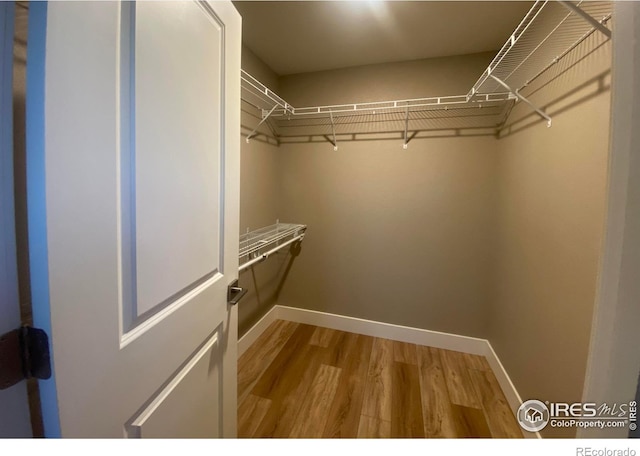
(476, 362)
(322, 337)
(496, 409)
(436, 406)
(250, 414)
(261, 354)
(373, 428)
(290, 359)
(406, 406)
(404, 352)
(459, 384)
(344, 415)
(313, 411)
(340, 348)
(291, 392)
(377, 396)
(470, 422)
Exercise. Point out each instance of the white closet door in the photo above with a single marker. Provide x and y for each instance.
(138, 216)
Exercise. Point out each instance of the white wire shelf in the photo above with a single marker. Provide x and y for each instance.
(548, 32)
(260, 96)
(258, 245)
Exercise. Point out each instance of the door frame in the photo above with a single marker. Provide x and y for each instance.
(614, 353)
(36, 203)
(18, 423)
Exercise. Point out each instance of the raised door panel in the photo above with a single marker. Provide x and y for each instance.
(177, 50)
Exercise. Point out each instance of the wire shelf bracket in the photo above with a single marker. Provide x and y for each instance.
(598, 25)
(520, 97)
(406, 130)
(264, 119)
(333, 132)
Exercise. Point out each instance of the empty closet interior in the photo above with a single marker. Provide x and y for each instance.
(456, 185)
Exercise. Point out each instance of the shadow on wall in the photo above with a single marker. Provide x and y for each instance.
(265, 281)
(549, 92)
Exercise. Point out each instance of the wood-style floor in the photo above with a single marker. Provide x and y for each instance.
(304, 381)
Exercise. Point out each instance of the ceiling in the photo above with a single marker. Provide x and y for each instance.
(303, 36)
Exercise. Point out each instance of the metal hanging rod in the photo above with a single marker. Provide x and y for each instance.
(258, 245)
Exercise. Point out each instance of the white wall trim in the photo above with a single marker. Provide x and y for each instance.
(508, 388)
(400, 333)
(256, 330)
(447, 341)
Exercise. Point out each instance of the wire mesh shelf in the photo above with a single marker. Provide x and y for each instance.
(548, 32)
(259, 244)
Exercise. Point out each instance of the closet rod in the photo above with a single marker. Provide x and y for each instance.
(266, 255)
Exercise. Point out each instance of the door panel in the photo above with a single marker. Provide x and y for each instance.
(177, 194)
(163, 415)
(141, 172)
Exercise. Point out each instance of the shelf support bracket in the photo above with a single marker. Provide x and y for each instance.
(540, 112)
(587, 17)
(264, 119)
(406, 130)
(333, 131)
(273, 132)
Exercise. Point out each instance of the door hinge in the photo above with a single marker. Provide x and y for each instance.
(24, 353)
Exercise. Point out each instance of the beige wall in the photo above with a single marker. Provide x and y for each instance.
(259, 197)
(392, 81)
(549, 230)
(252, 64)
(400, 236)
(395, 236)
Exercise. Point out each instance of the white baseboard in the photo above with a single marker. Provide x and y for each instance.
(256, 330)
(400, 333)
(507, 386)
(447, 341)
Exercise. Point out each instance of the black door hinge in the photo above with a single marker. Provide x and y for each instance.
(24, 353)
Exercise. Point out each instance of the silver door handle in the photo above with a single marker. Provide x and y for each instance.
(235, 293)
